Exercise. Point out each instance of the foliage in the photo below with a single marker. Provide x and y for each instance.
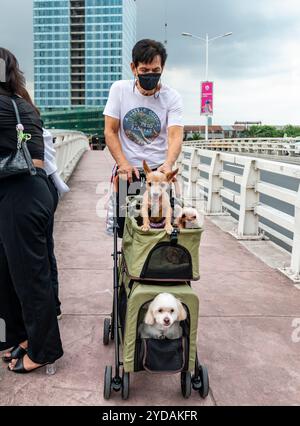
(272, 132)
(196, 136)
(291, 131)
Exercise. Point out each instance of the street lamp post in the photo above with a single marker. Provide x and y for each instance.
(207, 40)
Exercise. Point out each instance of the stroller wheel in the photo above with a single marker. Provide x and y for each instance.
(107, 382)
(125, 385)
(186, 384)
(106, 331)
(204, 389)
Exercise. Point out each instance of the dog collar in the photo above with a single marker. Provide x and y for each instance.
(158, 225)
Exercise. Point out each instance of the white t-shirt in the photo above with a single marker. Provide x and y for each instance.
(144, 121)
(50, 163)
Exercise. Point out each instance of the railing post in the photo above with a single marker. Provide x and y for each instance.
(192, 191)
(249, 198)
(295, 262)
(214, 199)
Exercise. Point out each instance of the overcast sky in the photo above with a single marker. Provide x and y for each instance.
(256, 71)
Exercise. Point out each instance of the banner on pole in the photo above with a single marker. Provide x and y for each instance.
(207, 98)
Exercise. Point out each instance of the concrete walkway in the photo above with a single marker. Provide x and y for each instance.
(245, 323)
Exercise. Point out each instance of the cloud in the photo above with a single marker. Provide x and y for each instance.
(16, 33)
(272, 9)
(256, 71)
(259, 35)
(267, 99)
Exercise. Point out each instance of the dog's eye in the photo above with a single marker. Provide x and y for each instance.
(172, 310)
(194, 217)
(160, 311)
(149, 183)
(183, 216)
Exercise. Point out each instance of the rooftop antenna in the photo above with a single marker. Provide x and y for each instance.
(166, 22)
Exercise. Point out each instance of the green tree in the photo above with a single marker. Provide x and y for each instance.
(196, 136)
(263, 132)
(291, 131)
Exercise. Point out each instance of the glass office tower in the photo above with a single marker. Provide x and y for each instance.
(80, 48)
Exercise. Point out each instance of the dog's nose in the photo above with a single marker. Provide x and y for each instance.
(167, 321)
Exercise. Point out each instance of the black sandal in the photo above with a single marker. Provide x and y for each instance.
(19, 367)
(17, 352)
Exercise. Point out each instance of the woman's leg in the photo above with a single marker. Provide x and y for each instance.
(10, 308)
(50, 245)
(53, 266)
(28, 212)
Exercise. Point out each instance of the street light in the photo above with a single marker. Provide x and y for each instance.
(207, 41)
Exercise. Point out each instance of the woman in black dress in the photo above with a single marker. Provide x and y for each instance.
(27, 305)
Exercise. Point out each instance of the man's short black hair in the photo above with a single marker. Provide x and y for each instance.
(145, 51)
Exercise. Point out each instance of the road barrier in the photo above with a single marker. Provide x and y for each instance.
(228, 182)
(70, 146)
(267, 146)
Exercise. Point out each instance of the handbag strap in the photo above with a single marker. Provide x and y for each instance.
(17, 112)
(22, 137)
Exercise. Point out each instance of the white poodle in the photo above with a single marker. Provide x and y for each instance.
(162, 318)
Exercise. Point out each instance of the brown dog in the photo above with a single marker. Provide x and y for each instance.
(156, 208)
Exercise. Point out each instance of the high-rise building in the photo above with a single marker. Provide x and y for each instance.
(80, 48)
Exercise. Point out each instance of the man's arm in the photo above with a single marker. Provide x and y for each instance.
(175, 139)
(175, 132)
(111, 133)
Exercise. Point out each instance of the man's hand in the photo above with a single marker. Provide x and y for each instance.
(165, 168)
(125, 171)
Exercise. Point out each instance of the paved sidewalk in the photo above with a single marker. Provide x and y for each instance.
(245, 323)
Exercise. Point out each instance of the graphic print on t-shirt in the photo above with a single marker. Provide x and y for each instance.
(141, 125)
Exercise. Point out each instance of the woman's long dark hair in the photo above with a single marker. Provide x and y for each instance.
(15, 82)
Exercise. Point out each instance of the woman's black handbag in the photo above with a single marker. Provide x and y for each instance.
(19, 161)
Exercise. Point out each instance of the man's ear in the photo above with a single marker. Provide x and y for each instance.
(149, 317)
(133, 69)
(182, 312)
(146, 167)
(171, 175)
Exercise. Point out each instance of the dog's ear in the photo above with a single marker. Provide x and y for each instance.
(181, 311)
(149, 317)
(171, 175)
(146, 167)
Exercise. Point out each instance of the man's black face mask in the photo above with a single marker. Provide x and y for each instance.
(149, 81)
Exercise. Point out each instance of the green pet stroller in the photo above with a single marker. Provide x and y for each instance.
(150, 263)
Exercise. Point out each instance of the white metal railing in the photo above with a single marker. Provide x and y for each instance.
(267, 146)
(205, 174)
(70, 146)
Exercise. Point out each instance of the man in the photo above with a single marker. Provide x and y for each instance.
(143, 118)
